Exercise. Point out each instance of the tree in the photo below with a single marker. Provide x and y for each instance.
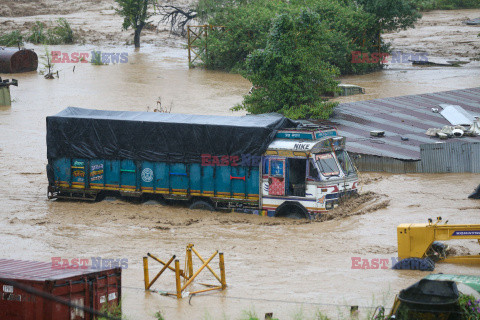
(246, 28)
(291, 73)
(391, 15)
(135, 15)
(177, 16)
(247, 25)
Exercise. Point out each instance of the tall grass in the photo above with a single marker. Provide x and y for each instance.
(62, 33)
(12, 39)
(114, 310)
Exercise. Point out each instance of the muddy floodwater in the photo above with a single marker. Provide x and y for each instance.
(272, 265)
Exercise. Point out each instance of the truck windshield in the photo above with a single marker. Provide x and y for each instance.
(327, 164)
(345, 162)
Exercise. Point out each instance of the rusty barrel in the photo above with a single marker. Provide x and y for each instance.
(13, 60)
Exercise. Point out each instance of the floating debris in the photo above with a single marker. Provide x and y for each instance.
(473, 22)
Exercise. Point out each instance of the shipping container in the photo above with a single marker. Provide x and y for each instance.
(88, 287)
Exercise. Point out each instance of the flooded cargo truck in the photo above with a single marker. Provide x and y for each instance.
(261, 164)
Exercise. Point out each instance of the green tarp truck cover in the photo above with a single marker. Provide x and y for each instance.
(154, 136)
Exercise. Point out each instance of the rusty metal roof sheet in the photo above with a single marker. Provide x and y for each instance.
(406, 116)
(37, 271)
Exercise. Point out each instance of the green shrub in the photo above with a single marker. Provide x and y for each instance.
(247, 23)
(114, 310)
(469, 307)
(159, 315)
(62, 33)
(11, 39)
(37, 33)
(246, 28)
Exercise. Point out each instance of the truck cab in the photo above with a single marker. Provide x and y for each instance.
(305, 172)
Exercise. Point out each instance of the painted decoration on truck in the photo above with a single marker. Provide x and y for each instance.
(301, 146)
(96, 172)
(147, 175)
(78, 163)
(79, 175)
(277, 187)
(329, 133)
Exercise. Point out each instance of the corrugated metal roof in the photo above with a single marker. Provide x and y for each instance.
(37, 271)
(456, 115)
(406, 116)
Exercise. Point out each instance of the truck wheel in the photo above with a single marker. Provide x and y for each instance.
(202, 205)
(293, 212)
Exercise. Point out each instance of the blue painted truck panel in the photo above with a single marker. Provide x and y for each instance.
(112, 173)
(128, 174)
(239, 182)
(207, 182)
(161, 176)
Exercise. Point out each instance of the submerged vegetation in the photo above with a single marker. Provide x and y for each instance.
(41, 33)
(97, 58)
(112, 311)
(61, 33)
(12, 39)
(48, 67)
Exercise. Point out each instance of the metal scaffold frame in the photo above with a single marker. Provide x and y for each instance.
(188, 275)
(194, 34)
